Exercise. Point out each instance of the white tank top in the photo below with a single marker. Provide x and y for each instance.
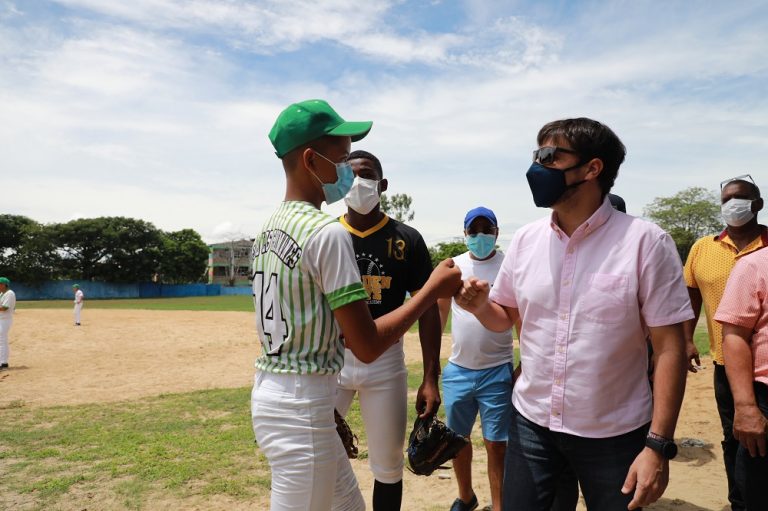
(474, 346)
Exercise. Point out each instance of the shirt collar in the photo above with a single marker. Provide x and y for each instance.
(763, 235)
(362, 234)
(598, 218)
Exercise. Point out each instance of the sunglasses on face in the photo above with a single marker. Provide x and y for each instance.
(743, 177)
(548, 154)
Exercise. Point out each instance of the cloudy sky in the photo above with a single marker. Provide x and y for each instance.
(160, 109)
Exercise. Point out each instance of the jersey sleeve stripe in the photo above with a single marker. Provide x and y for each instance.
(345, 295)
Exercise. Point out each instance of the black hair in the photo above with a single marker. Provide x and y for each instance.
(754, 191)
(590, 139)
(365, 155)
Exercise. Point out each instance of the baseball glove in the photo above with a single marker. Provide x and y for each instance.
(348, 439)
(431, 444)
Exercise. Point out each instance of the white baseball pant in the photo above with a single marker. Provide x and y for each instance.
(383, 389)
(5, 327)
(78, 308)
(295, 429)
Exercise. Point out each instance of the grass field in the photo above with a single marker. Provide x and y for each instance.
(157, 444)
(197, 444)
(191, 303)
(226, 303)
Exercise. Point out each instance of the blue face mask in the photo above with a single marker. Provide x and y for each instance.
(548, 185)
(481, 245)
(336, 191)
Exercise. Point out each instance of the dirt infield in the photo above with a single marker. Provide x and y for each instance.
(129, 354)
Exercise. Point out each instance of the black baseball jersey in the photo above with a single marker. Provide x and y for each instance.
(392, 258)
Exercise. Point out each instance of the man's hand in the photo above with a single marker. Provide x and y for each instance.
(445, 279)
(750, 428)
(473, 295)
(692, 354)
(427, 398)
(648, 476)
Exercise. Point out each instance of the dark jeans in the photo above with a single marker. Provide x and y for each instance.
(752, 473)
(567, 493)
(724, 400)
(538, 458)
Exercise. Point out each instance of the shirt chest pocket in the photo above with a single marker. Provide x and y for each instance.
(606, 298)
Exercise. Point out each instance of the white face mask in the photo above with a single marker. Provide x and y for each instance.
(363, 196)
(737, 212)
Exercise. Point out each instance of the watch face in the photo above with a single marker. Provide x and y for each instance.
(669, 450)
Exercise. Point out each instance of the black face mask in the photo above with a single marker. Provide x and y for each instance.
(548, 185)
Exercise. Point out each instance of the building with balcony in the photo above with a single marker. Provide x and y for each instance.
(229, 263)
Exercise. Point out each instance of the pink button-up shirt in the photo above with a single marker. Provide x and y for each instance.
(745, 303)
(585, 304)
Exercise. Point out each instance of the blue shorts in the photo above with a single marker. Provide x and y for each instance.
(489, 391)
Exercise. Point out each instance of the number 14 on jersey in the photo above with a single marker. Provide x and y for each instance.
(271, 323)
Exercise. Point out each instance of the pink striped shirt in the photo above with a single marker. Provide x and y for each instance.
(585, 304)
(745, 303)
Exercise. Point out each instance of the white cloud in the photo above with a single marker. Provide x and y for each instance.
(276, 26)
(136, 112)
(8, 10)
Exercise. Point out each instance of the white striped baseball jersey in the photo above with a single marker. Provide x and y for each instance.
(303, 268)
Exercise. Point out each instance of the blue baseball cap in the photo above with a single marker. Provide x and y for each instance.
(617, 202)
(478, 212)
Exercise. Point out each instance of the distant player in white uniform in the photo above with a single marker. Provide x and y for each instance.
(79, 297)
(7, 307)
(479, 373)
(393, 259)
(307, 290)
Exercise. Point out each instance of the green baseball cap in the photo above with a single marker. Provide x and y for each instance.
(5, 281)
(309, 120)
(75, 286)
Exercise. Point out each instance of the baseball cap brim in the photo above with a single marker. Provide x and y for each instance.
(357, 130)
(478, 212)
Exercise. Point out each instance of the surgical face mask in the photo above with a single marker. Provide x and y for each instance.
(363, 196)
(334, 192)
(737, 212)
(548, 185)
(481, 245)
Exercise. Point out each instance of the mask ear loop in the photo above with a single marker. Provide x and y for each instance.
(315, 175)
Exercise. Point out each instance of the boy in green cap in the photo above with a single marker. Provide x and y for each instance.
(7, 306)
(307, 290)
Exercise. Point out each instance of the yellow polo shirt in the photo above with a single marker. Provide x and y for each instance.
(708, 266)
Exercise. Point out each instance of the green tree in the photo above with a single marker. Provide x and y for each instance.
(445, 250)
(12, 228)
(183, 257)
(686, 216)
(398, 206)
(27, 253)
(110, 249)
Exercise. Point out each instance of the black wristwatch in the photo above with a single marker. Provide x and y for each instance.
(661, 445)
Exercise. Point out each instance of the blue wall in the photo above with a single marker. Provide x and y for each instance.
(62, 290)
(237, 290)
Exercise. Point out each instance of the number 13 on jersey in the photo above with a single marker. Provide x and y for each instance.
(272, 326)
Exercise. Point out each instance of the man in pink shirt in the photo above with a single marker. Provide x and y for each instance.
(743, 312)
(589, 284)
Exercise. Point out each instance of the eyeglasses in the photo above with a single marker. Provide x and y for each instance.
(547, 155)
(743, 177)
